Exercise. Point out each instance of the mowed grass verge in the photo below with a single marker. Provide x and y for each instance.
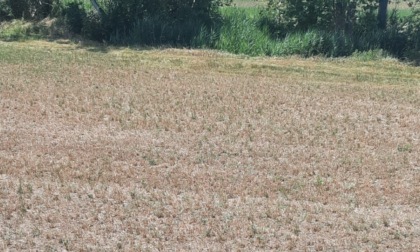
(145, 150)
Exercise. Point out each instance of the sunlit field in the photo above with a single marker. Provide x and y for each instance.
(110, 149)
(250, 3)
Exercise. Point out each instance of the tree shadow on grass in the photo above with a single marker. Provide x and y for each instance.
(51, 30)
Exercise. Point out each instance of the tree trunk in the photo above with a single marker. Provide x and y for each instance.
(382, 13)
(98, 8)
(340, 16)
(351, 17)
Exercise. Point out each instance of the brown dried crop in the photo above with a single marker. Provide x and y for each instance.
(107, 149)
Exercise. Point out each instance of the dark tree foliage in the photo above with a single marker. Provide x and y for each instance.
(5, 11)
(126, 12)
(152, 20)
(30, 9)
(382, 13)
(358, 24)
(330, 15)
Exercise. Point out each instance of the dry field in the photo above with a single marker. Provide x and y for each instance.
(183, 150)
(250, 3)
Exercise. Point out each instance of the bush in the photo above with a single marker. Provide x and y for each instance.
(411, 26)
(329, 15)
(74, 16)
(338, 27)
(15, 30)
(143, 21)
(165, 20)
(18, 30)
(93, 27)
(5, 11)
(30, 9)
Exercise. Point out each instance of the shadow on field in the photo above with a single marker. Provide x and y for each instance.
(52, 30)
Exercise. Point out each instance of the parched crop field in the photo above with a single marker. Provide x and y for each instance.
(107, 149)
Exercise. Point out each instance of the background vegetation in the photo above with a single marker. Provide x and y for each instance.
(276, 27)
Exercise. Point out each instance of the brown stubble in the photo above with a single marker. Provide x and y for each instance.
(193, 150)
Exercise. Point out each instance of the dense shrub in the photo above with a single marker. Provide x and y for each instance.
(411, 26)
(329, 15)
(158, 21)
(93, 27)
(5, 11)
(74, 16)
(144, 21)
(338, 27)
(30, 9)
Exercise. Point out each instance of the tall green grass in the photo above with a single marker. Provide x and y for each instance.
(245, 31)
(241, 32)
